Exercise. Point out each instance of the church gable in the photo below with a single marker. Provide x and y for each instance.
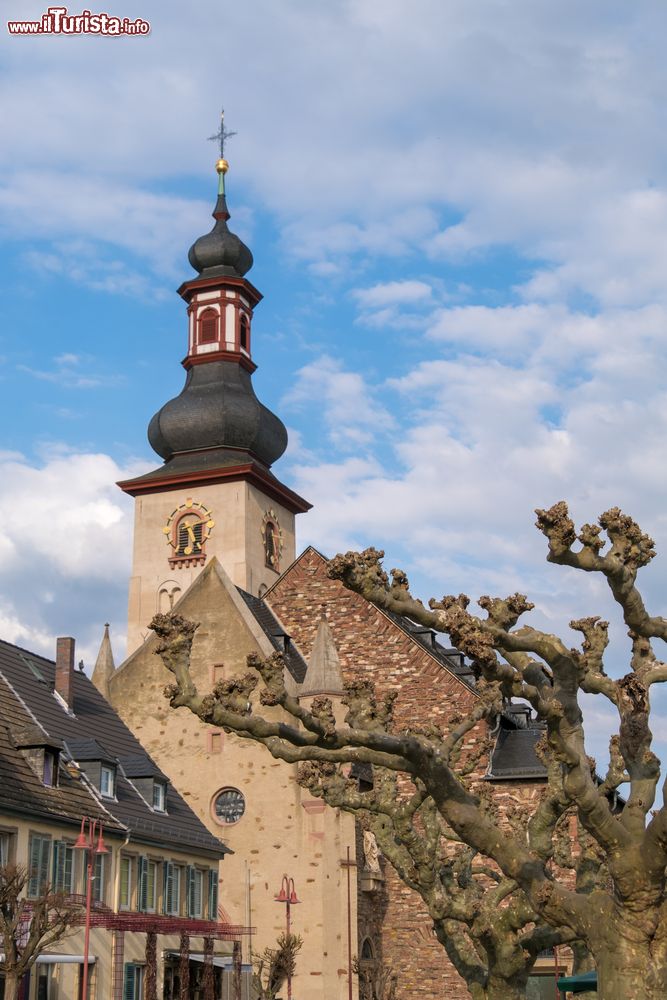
(370, 644)
(227, 633)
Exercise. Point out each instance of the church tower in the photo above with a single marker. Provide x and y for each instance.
(215, 494)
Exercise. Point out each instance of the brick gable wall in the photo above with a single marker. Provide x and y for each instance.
(371, 644)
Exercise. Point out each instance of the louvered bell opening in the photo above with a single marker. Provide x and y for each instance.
(208, 328)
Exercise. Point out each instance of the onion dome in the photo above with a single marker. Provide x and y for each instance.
(220, 252)
(218, 408)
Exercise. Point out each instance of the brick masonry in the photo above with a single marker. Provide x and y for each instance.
(371, 645)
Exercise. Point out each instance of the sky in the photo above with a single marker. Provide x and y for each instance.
(458, 213)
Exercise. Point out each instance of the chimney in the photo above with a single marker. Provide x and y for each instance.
(65, 669)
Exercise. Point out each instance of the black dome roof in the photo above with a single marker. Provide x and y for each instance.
(217, 408)
(220, 252)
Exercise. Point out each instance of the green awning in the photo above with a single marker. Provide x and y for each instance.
(585, 981)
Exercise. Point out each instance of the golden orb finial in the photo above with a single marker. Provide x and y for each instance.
(222, 166)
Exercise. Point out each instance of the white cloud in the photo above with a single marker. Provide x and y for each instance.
(527, 135)
(393, 293)
(69, 372)
(572, 407)
(352, 418)
(524, 128)
(65, 549)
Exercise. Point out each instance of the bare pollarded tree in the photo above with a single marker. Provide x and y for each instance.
(485, 923)
(29, 926)
(624, 922)
(274, 966)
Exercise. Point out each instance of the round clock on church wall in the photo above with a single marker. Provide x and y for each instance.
(187, 530)
(228, 806)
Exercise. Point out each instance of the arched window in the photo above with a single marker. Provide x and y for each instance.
(270, 548)
(272, 539)
(367, 950)
(208, 326)
(188, 541)
(187, 530)
(189, 535)
(243, 333)
(168, 595)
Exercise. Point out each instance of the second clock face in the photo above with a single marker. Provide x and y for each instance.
(229, 805)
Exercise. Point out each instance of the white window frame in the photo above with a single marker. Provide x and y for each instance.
(5, 847)
(177, 878)
(129, 861)
(66, 884)
(107, 781)
(151, 878)
(159, 796)
(99, 878)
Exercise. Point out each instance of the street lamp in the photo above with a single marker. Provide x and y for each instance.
(86, 842)
(287, 895)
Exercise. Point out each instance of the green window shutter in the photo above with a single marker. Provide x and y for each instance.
(39, 852)
(212, 894)
(128, 982)
(190, 889)
(33, 881)
(125, 866)
(142, 883)
(44, 865)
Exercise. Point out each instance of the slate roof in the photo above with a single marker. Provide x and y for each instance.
(22, 792)
(276, 635)
(449, 658)
(141, 766)
(93, 728)
(514, 754)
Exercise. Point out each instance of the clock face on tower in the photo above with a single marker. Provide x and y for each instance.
(187, 530)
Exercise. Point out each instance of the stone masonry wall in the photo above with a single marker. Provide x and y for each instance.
(370, 644)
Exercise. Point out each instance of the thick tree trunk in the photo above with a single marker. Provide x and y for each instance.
(628, 970)
(11, 986)
(500, 989)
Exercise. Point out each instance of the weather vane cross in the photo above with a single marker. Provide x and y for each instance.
(221, 135)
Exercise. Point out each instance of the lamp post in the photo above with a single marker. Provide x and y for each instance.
(287, 895)
(86, 842)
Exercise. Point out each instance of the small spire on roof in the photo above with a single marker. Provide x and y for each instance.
(104, 665)
(323, 675)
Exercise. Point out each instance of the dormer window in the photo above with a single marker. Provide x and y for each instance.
(159, 796)
(50, 776)
(108, 781)
(43, 758)
(208, 326)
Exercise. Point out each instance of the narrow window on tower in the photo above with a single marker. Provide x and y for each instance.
(190, 536)
(243, 334)
(208, 327)
(270, 553)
